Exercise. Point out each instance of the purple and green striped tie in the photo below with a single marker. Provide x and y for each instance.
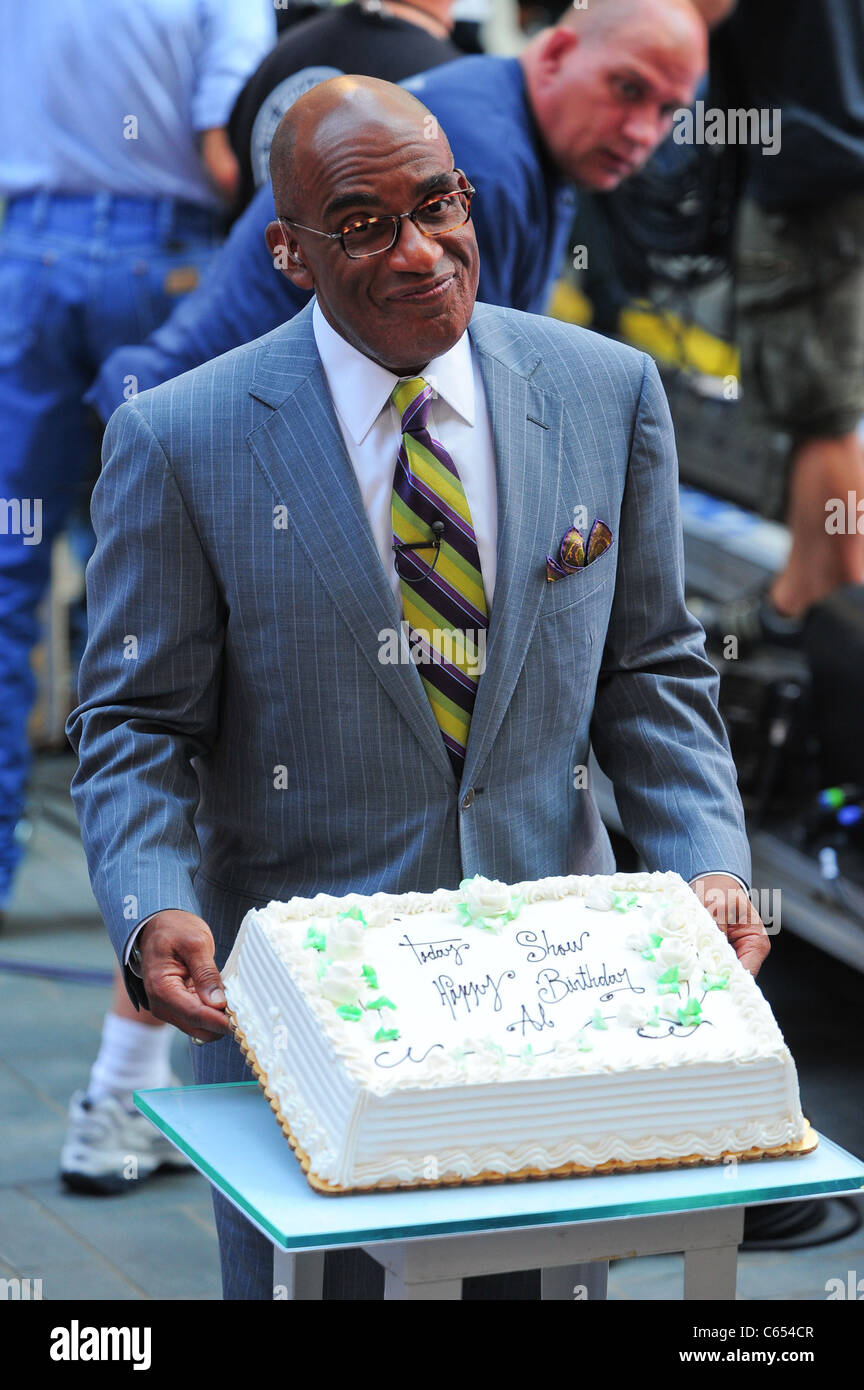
(446, 607)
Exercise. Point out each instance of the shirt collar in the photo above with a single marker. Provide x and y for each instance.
(360, 388)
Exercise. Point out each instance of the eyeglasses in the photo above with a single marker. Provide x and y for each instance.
(372, 235)
(408, 566)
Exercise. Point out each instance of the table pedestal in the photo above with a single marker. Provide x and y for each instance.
(574, 1259)
(429, 1241)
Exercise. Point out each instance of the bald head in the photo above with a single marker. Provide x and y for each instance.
(374, 218)
(602, 18)
(325, 114)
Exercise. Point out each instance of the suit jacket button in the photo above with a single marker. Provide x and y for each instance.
(468, 799)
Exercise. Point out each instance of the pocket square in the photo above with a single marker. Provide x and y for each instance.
(574, 553)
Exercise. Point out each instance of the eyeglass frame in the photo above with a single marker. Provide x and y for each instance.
(397, 218)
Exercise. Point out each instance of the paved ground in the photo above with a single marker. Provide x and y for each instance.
(158, 1241)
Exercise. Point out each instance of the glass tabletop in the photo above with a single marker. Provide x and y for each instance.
(231, 1135)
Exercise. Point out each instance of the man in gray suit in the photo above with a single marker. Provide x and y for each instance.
(243, 731)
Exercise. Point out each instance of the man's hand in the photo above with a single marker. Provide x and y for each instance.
(736, 917)
(180, 975)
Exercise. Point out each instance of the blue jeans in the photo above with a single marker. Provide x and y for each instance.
(79, 276)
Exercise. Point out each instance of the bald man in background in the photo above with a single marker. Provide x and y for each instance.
(584, 105)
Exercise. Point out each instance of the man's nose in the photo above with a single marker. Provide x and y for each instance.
(414, 251)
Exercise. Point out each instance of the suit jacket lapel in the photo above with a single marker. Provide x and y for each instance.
(527, 434)
(301, 452)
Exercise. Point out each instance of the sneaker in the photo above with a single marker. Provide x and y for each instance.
(753, 620)
(111, 1146)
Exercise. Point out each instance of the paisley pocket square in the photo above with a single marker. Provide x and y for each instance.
(574, 553)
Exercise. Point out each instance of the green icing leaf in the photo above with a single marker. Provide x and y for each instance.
(583, 1044)
(691, 1012)
(714, 981)
(654, 1020)
(655, 939)
(370, 977)
(621, 902)
(668, 982)
(387, 1035)
(355, 912)
(316, 939)
(382, 1002)
(464, 915)
(527, 1053)
(598, 1021)
(350, 1012)
(647, 955)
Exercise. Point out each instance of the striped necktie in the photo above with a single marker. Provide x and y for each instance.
(443, 600)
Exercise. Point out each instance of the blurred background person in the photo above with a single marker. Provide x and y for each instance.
(115, 169)
(800, 293)
(375, 38)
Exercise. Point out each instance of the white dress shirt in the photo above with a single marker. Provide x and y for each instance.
(458, 419)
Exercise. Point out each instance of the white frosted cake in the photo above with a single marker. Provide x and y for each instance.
(561, 1026)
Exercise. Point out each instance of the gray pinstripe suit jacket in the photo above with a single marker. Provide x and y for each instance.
(240, 740)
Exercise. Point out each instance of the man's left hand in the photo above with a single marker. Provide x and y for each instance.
(736, 917)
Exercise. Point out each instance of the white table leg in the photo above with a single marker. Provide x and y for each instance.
(711, 1273)
(398, 1289)
(298, 1277)
(575, 1282)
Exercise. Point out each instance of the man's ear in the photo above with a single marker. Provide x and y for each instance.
(557, 45)
(287, 256)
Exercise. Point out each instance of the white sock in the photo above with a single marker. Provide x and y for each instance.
(132, 1056)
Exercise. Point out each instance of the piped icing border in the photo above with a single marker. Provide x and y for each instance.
(383, 905)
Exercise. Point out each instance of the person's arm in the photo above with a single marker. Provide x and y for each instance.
(220, 161)
(235, 36)
(241, 297)
(148, 691)
(656, 729)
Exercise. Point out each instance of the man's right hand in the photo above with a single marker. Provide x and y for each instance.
(180, 976)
